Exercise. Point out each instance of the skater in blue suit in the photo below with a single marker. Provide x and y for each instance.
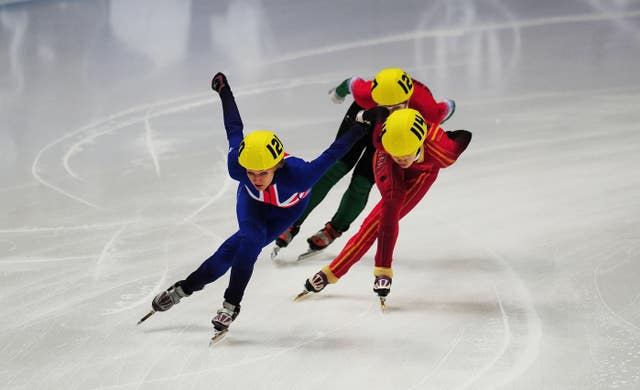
(272, 193)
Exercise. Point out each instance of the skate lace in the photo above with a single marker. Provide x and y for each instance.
(224, 317)
(382, 283)
(318, 281)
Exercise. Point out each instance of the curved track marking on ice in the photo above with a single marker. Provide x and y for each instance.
(534, 327)
(449, 32)
(34, 166)
(506, 340)
(441, 362)
(130, 122)
(65, 162)
(608, 308)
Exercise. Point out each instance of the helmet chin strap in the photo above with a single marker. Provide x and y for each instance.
(418, 154)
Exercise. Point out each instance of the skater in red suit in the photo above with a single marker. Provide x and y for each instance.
(409, 155)
(392, 88)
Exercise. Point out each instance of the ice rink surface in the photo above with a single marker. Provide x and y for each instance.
(519, 269)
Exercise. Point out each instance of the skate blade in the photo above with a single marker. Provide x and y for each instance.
(274, 252)
(301, 295)
(149, 314)
(217, 337)
(309, 253)
(383, 304)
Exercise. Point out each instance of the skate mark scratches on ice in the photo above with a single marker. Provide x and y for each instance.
(258, 359)
(105, 251)
(152, 292)
(149, 142)
(506, 340)
(38, 260)
(439, 365)
(594, 17)
(609, 309)
(533, 323)
(42, 229)
(225, 186)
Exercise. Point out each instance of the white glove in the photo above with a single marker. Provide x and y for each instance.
(337, 99)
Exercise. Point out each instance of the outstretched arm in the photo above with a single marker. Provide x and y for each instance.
(232, 123)
(361, 126)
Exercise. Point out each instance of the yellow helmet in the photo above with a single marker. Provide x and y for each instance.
(403, 132)
(260, 150)
(391, 86)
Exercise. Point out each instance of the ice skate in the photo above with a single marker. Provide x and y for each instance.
(323, 238)
(223, 318)
(320, 241)
(165, 300)
(314, 284)
(382, 287)
(309, 253)
(283, 240)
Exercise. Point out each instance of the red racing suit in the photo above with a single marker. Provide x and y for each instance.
(401, 190)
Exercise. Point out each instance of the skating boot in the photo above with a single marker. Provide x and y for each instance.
(314, 284)
(166, 299)
(284, 239)
(324, 237)
(225, 316)
(319, 241)
(382, 287)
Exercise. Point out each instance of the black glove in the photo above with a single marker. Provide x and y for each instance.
(219, 82)
(373, 116)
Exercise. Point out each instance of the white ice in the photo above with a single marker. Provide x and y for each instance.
(519, 270)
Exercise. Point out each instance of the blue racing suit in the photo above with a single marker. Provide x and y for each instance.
(262, 215)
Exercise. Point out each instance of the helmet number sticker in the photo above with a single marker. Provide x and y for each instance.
(418, 127)
(275, 148)
(406, 84)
